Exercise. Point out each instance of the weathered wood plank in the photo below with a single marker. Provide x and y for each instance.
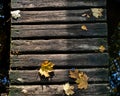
(58, 16)
(61, 60)
(51, 45)
(61, 75)
(57, 90)
(56, 3)
(94, 29)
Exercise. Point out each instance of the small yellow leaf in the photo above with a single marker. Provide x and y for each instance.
(101, 48)
(46, 68)
(83, 27)
(68, 89)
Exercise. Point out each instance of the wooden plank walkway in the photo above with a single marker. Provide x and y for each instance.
(51, 30)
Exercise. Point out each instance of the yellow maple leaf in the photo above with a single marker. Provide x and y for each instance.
(68, 89)
(83, 27)
(46, 68)
(82, 81)
(101, 48)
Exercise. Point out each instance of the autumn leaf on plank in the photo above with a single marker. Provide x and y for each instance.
(82, 81)
(68, 89)
(101, 48)
(97, 12)
(74, 74)
(81, 78)
(46, 68)
(83, 27)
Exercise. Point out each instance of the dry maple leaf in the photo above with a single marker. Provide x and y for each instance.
(46, 68)
(101, 48)
(83, 27)
(82, 81)
(74, 74)
(81, 78)
(97, 12)
(68, 89)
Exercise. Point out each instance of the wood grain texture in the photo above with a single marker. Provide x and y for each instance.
(61, 60)
(65, 30)
(60, 75)
(56, 3)
(51, 30)
(57, 90)
(51, 45)
(58, 16)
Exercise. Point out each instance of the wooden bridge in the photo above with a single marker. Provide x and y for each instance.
(52, 30)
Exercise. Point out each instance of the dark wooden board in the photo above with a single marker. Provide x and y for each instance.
(51, 45)
(56, 16)
(65, 30)
(60, 75)
(56, 3)
(57, 90)
(61, 60)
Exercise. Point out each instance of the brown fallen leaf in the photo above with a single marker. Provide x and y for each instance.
(81, 78)
(82, 81)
